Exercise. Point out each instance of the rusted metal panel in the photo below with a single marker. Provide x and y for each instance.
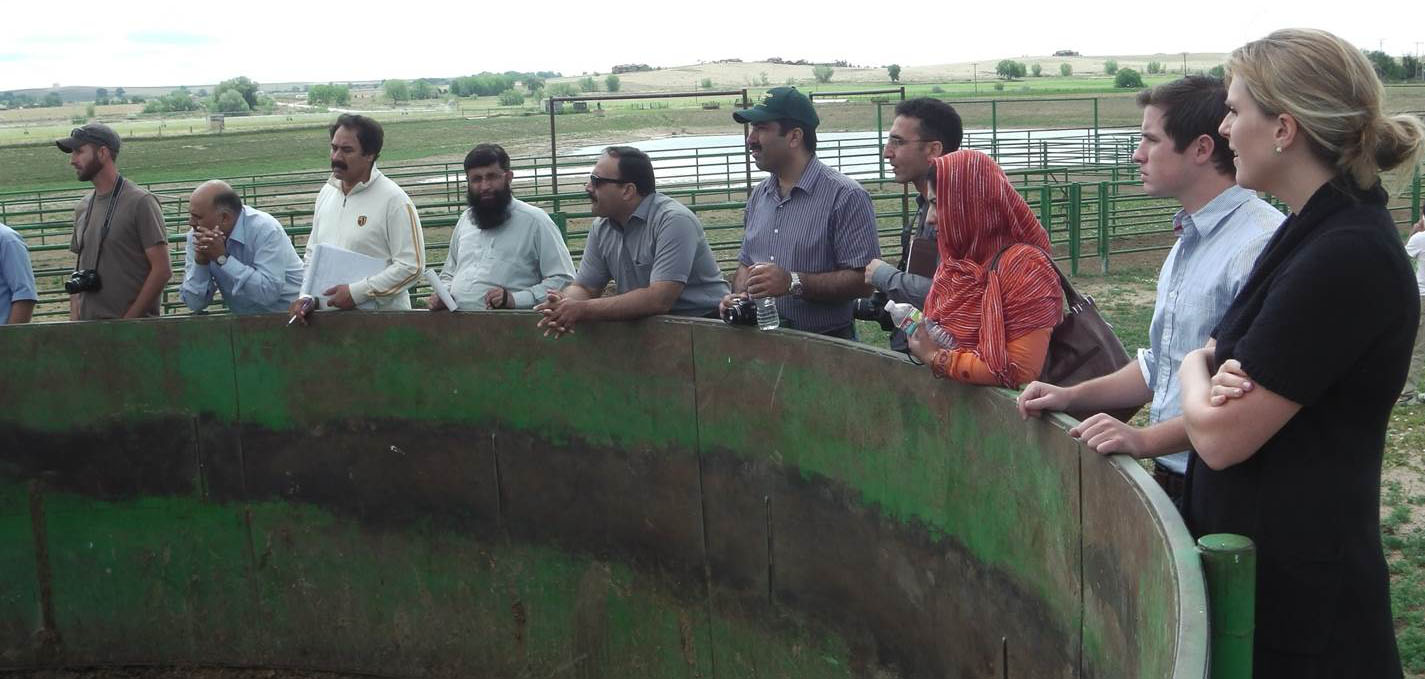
(876, 512)
(452, 494)
(1144, 602)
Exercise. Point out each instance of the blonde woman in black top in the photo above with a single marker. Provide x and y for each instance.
(1287, 411)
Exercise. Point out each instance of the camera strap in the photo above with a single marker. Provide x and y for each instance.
(108, 219)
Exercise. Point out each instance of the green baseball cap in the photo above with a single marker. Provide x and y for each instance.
(779, 103)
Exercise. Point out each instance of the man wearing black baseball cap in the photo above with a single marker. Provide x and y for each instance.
(810, 230)
(119, 242)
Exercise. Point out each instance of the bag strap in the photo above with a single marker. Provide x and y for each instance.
(104, 233)
(1077, 302)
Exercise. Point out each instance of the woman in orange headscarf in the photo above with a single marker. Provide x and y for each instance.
(995, 293)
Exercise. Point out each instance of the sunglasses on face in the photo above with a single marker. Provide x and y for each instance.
(596, 180)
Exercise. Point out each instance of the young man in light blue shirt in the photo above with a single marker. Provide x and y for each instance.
(17, 279)
(239, 251)
(1221, 229)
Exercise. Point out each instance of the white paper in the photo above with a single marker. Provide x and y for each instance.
(332, 266)
(440, 290)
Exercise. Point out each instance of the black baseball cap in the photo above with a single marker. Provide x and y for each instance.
(92, 133)
(780, 103)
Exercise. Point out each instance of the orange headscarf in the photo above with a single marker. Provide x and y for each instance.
(979, 213)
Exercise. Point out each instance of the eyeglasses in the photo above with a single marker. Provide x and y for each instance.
(596, 180)
(897, 142)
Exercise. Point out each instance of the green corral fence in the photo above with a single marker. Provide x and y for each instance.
(1080, 180)
(414, 494)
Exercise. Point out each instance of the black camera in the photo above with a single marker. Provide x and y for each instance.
(83, 280)
(873, 308)
(743, 311)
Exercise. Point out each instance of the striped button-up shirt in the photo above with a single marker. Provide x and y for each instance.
(1203, 272)
(825, 223)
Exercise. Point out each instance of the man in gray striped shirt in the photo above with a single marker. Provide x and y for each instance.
(810, 230)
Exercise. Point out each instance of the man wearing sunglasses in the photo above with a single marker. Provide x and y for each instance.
(650, 245)
(810, 230)
(924, 129)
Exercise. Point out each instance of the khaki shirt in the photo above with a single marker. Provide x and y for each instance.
(136, 226)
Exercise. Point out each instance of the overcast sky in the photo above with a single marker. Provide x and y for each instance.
(155, 43)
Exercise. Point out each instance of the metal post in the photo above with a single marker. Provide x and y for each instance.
(1415, 198)
(1103, 208)
(994, 130)
(561, 220)
(553, 156)
(1095, 131)
(1229, 566)
(1046, 210)
(1076, 193)
(880, 143)
(746, 154)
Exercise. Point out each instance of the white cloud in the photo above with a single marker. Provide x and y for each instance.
(170, 43)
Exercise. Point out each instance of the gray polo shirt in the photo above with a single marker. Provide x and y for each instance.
(826, 223)
(662, 241)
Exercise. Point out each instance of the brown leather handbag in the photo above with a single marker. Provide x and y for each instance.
(1082, 347)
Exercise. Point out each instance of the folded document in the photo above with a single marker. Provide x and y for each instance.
(331, 266)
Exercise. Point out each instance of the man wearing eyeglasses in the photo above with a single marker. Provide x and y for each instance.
(810, 230)
(650, 245)
(924, 129)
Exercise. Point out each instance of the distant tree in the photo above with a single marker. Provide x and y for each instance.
(1036, 70)
(762, 79)
(822, 73)
(397, 90)
(999, 87)
(1009, 69)
(1110, 66)
(1386, 67)
(329, 95)
(89, 111)
(533, 83)
(894, 70)
(1066, 70)
(588, 84)
(231, 101)
(244, 86)
(51, 100)
(1128, 78)
(511, 97)
(611, 83)
(120, 95)
(706, 83)
(1155, 67)
(1410, 66)
(562, 90)
(423, 89)
(101, 96)
(202, 92)
(177, 100)
(1218, 71)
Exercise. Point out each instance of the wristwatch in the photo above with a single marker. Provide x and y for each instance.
(221, 260)
(796, 288)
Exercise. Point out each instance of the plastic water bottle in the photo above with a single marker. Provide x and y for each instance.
(906, 317)
(767, 317)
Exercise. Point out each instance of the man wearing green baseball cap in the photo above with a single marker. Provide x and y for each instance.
(810, 230)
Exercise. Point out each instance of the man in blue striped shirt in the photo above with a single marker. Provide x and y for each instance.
(1221, 229)
(810, 230)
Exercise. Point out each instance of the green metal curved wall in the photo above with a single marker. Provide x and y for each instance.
(417, 494)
